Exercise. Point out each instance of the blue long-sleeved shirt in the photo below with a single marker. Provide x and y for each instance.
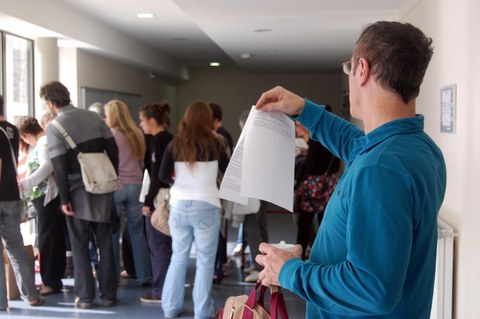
(375, 251)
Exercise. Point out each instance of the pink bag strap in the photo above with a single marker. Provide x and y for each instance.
(277, 302)
(252, 299)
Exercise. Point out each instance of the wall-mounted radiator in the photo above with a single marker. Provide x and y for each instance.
(443, 291)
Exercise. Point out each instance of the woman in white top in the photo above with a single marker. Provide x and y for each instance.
(40, 186)
(195, 156)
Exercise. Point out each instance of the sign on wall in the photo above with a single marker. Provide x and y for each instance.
(448, 101)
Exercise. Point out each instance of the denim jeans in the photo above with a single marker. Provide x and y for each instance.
(127, 197)
(191, 221)
(10, 212)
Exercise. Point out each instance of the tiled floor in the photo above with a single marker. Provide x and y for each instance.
(129, 293)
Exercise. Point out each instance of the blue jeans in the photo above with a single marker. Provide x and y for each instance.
(10, 212)
(127, 197)
(189, 221)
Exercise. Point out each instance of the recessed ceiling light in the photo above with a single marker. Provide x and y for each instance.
(263, 30)
(245, 56)
(215, 64)
(145, 15)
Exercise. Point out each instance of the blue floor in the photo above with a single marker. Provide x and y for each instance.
(129, 292)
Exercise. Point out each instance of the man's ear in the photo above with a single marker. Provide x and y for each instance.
(363, 70)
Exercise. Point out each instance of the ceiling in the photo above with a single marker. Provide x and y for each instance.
(255, 35)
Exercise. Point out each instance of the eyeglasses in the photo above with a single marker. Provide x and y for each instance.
(347, 66)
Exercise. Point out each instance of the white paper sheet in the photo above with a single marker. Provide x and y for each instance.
(262, 163)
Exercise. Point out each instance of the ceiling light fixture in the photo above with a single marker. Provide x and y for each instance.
(263, 30)
(214, 64)
(145, 15)
(245, 56)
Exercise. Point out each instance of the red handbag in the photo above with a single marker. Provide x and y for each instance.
(249, 307)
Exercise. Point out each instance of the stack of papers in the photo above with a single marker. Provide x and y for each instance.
(263, 161)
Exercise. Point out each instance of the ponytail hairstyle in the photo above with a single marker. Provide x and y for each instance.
(196, 140)
(119, 118)
(159, 112)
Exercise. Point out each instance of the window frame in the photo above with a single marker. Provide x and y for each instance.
(30, 75)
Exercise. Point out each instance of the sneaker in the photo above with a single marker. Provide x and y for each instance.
(83, 304)
(237, 250)
(253, 277)
(248, 269)
(150, 298)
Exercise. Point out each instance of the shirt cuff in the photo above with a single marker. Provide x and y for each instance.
(285, 277)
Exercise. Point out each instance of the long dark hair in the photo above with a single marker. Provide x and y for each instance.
(195, 140)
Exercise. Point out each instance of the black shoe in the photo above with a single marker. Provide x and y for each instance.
(108, 303)
(83, 304)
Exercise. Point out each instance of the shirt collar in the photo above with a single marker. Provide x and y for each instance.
(65, 108)
(396, 127)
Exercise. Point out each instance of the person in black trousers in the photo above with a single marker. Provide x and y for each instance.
(43, 192)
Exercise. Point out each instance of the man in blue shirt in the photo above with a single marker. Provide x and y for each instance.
(375, 251)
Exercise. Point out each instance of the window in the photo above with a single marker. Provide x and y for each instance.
(17, 79)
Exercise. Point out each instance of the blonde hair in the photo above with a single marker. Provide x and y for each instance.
(119, 118)
(46, 118)
(195, 140)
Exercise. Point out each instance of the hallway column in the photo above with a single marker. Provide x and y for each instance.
(46, 68)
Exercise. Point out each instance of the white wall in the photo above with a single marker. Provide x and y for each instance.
(95, 71)
(236, 90)
(77, 68)
(454, 28)
(68, 71)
